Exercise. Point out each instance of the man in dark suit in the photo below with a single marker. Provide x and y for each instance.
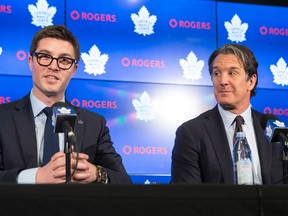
(203, 146)
(54, 54)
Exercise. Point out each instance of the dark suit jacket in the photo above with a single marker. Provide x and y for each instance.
(18, 148)
(201, 153)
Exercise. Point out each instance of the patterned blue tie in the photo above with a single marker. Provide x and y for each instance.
(51, 141)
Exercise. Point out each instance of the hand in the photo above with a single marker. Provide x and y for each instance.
(86, 172)
(54, 171)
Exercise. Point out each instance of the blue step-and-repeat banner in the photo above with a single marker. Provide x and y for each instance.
(144, 64)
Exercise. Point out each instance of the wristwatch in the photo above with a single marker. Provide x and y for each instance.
(101, 175)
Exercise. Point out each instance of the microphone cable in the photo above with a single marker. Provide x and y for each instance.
(68, 180)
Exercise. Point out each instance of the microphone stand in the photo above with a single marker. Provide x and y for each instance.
(67, 151)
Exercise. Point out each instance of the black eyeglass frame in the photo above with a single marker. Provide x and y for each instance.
(74, 61)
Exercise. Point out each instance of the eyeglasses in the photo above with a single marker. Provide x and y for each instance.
(45, 59)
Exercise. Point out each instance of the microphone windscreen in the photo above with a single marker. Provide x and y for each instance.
(61, 113)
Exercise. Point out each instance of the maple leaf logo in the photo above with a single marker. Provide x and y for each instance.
(145, 108)
(236, 30)
(41, 13)
(147, 182)
(280, 72)
(1, 50)
(64, 110)
(192, 68)
(143, 21)
(94, 61)
(268, 131)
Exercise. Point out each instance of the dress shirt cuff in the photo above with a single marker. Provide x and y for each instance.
(27, 176)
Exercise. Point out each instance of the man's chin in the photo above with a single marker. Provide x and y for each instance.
(51, 93)
(227, 106)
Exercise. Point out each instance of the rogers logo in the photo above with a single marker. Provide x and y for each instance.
(75, 15)
(273, 31)
(149, 63)
(21, 55)
(5, 99)
(144, 150)
(99, 104)
(190, 24)
(6, 9)
(276, 111)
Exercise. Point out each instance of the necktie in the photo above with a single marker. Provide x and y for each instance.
(238, 128)
(51, 141)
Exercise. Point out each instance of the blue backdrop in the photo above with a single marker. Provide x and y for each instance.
(144, 64)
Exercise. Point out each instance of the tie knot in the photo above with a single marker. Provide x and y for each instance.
(239, 119)
(47, 111)
(239, 122)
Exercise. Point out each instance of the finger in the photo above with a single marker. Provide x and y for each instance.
(58, 163)
(59, 173)
(57, 155)
(81, 165)
(80, 156)
(81, 176)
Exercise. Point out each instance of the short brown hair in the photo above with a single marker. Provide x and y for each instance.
(59, 32)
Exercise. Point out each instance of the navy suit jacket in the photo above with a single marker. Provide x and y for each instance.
(201, 152)
(18, 147)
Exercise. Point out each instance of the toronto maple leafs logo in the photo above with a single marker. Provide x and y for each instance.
(145, 107)
(42, 14)
(236, 29)
(147, 182)
(143, 21)
(280, 72)
(192, 68)
(94, 61)
(268, 131)
(64, 110)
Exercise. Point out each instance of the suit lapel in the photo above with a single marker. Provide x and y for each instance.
(25, 129)
(264, 149)
(218, 137)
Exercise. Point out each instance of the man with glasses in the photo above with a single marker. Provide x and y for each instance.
(45, 59)
(53, 61)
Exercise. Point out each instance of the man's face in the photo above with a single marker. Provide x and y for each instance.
(231, 88)
(51, 81)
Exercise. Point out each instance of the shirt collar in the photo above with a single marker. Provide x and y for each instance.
(229, 117)
(38, 105)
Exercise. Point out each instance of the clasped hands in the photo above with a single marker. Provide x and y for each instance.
(55, 170)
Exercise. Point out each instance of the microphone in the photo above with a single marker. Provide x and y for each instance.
(63, 119)
(274, 130)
